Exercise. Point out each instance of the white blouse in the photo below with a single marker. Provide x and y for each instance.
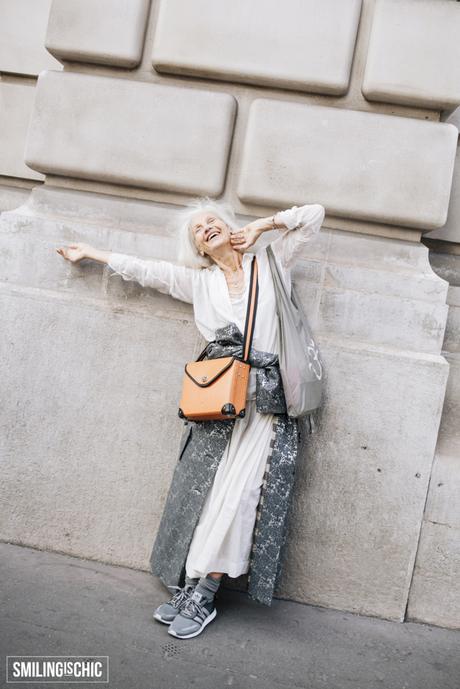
(206, 288)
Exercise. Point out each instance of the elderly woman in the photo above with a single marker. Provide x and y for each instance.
(209, 531)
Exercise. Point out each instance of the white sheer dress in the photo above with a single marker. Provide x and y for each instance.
(222, 539)
(223, 536)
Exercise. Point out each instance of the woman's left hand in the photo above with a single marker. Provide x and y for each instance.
(247, 236)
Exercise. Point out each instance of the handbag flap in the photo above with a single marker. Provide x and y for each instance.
(203, 373)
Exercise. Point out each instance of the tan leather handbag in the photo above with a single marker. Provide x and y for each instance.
(215, 389)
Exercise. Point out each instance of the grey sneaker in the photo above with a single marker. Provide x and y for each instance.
(166, 612)
(197, 612)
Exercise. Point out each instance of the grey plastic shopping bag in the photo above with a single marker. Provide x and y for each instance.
(300, 364)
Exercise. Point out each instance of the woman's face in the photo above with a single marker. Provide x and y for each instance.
(209, 232)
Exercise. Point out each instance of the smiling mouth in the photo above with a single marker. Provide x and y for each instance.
(212, 235)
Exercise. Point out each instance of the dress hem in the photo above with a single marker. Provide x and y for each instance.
(232, 570)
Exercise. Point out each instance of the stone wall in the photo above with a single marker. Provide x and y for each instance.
(113, 115)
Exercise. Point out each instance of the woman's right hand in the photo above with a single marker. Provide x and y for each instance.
(75, 252)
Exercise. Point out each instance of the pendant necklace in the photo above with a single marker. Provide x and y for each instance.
(236, 284)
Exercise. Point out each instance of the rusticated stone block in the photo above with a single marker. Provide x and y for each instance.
(450, 232)
(133, 133)
(414, 54)
(367, 166)
(107, 31)
(296, 44)
(22, 35)
(16, 102)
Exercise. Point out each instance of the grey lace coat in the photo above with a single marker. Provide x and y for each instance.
(201, 449)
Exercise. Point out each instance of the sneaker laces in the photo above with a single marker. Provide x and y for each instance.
(192, 608)
(181, 594)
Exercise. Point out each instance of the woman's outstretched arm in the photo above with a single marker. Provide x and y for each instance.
(163, 276)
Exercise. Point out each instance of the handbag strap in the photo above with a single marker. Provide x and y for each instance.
(251, 309)
(250, 313)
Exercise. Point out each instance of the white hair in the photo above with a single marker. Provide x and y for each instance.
(188, 254)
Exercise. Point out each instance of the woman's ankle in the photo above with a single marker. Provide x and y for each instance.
(208, 586)
(216, 575)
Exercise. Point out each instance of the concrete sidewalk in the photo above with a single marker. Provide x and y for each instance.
(54, 604)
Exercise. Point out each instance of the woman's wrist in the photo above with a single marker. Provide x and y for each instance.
(269, 223)
(98, 255)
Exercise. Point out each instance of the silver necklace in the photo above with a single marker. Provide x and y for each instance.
(236, 283)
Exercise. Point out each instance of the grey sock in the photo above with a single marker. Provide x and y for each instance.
(208, 586)
(193, 581)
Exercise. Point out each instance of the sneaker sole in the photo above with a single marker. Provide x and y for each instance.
(209, 619)
(160, 619)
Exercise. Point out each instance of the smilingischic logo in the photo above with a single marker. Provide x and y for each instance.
(56, 669)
